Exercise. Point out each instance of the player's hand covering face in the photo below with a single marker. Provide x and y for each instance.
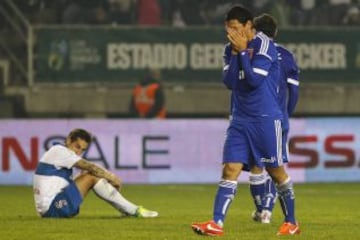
(236, 33)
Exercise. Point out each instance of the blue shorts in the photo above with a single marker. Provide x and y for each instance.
(254, 143)
(66, 203)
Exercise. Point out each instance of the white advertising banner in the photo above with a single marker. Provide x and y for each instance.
(178, 151)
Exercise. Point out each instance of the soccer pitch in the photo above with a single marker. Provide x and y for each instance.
(325, 211)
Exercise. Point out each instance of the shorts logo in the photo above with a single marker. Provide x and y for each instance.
(61, 203)
(267, 160)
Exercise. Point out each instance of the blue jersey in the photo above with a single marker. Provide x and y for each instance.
(289, 83)
(253, 77)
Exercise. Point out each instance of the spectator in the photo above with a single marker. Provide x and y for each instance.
(352, 17)
(147, 99)
(302, 12)
(122, 11)
(281, 11)
(186, 12)
(86, 12)
(212, 12)
(149, 12)
(337, 11)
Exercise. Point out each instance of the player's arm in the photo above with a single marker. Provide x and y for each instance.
(231, 69)
(97, 171)
(256, 69)
(293, 85)
(293, 98)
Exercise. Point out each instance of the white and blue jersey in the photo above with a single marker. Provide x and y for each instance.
(289, 83)
(254, 134)
(52, 176)
(288, 92)
(253, 78)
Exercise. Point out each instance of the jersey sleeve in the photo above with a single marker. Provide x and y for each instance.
(257, 68)
(292, 72)
(231, 68)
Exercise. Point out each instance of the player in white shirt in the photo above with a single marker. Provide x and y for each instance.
(58, 195)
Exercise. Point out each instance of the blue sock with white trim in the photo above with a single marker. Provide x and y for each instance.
(257, 189)
(287, 200)
(224, 196)
(270, 194)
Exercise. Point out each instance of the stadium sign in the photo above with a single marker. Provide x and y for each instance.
(122, 55)
(164, 56)
(319, 55)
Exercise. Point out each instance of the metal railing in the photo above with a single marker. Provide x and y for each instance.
(21, 29)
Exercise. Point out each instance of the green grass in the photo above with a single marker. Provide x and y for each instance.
(325, 211)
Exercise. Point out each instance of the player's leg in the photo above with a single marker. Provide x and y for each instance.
(283, 182)
(66, 203)
(286, 195)
(269, 200)
(270, 195)
(226, 191)
(224, 196)
(257, 180)
(285, 154)
(262, 150)
(110, 194)
(85, 182)
(235, 155)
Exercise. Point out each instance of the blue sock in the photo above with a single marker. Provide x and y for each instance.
(257, 189)
(287, 200)
(270, 194)
(224, 196)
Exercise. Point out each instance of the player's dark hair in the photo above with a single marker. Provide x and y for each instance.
(80, 133)
(239, 13)
(267, 24)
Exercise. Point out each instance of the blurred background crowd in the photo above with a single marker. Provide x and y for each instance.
(181, 13)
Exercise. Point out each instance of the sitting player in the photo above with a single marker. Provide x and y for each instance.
(57, 195)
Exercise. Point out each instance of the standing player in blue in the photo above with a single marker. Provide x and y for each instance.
(288, 96)
(251, 72)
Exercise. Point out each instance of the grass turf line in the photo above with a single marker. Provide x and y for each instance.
(325, 211)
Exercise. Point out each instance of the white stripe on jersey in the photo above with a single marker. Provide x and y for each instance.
(260, 71)
(264, 45)
(278, 133)
(226, 67)
(293, 81)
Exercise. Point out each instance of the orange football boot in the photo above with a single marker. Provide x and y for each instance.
(288, 228)
(209, 228)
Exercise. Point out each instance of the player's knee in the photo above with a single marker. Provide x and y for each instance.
(231, 171)
(286, 189)
(90, 178)
(257, 179)
(256, 170)
(278, 174)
